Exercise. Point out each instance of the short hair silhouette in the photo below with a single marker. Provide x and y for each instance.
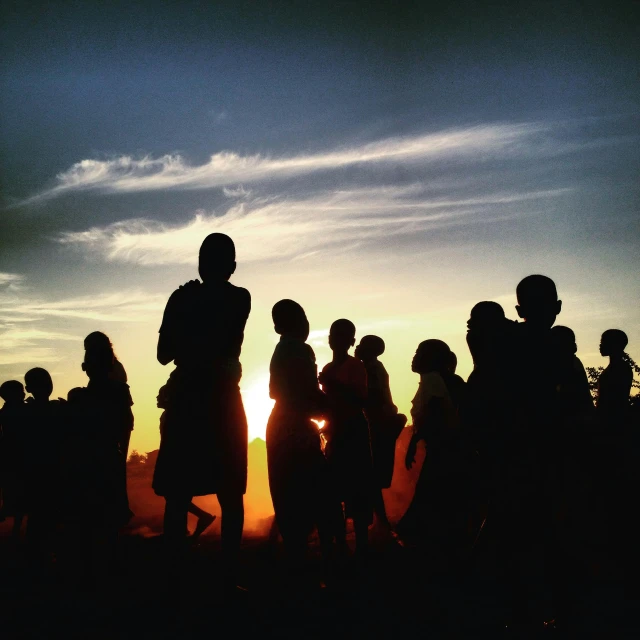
(38, 382)
(431, 355)
(289, 317)
(343, 327)
(12, 391)
(76, 394)
(372, 344)
(98, 357)
(614, 340)
(217, 257)
(487, 312)
(538, 300)
(564, 339)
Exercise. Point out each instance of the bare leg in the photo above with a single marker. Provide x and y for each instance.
(205, 520)
(232, 506)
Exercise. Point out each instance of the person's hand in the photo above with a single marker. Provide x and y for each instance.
(410, 458)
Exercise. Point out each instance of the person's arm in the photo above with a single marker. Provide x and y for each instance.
(166, 351)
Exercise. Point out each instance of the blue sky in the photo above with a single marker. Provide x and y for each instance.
(391, 163)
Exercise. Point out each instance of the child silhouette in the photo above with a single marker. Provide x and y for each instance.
(348, 449)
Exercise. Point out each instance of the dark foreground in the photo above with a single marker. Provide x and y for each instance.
(401, 592)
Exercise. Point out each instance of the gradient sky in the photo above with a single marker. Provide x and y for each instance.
(386, 162)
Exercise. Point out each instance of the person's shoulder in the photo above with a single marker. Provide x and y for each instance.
(356, 365)
(239, 294)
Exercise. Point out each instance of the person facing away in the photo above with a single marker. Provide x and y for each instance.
(99, 340)
(205, 448)
(574, 398)
(44, 422)
(348, 448)
(614, 384)
(296, 465)
(385, 423)
(205, 519)
(13, 476)
(435, 421)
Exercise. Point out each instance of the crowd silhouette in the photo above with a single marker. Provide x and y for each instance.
(505, 450)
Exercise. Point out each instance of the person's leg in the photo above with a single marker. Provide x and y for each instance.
(175, 519)
(205, 519)
(232, 505)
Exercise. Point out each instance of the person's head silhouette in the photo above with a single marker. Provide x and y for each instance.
(162, 397)
(431, 355)
(538, 302)
(39, 384)
(370, 348)
(485, 315)
(97, 340)
(12, 392)
(217, 258)
(289, 319)
(613, 343)
(98, 361)
(342, 336)
(564, 340)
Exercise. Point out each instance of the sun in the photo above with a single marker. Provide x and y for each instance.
(257, 405)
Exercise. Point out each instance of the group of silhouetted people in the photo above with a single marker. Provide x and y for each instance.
(503, 449)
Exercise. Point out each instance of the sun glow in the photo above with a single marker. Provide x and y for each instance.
(257, 405)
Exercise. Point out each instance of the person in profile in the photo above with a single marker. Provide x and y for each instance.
(205, 447)
(438, 501)
(385, 423)
(99, 340)
(614, 383)
(44, 428)
(205, 519)
(13, 477)
(348, 447)
(296, 465)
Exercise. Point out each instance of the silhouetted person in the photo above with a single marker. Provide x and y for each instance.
(205, 519)
(438, 502)
(573, 395)
(44, 427)
(13, 478)
(614, 384)
(93, 475)
(98, 340)
(385, 424)
(297, 467)
(484, 415)
(348, 447)
(528, 491)
(205, 448)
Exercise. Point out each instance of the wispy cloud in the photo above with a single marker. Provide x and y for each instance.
(171, 171)
(266, 229)
(126, 306)
(11, 281)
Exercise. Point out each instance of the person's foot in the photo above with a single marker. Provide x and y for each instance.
(203, 523)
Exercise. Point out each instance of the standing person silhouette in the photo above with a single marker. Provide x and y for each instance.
(524, 509)
(204, 450)
(348, 448)
(614, 384)
(13, 455)
(385, 423)
(297, 468)
(44, 428)
(99, 340)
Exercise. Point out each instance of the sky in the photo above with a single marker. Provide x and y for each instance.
(391, 163)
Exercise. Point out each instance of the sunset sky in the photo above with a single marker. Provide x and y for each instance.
(391, 164)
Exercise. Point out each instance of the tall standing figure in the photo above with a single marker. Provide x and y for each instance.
(297, 468)
(204, 447)
(348, 448)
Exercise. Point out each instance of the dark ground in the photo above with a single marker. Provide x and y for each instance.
(401, 592)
